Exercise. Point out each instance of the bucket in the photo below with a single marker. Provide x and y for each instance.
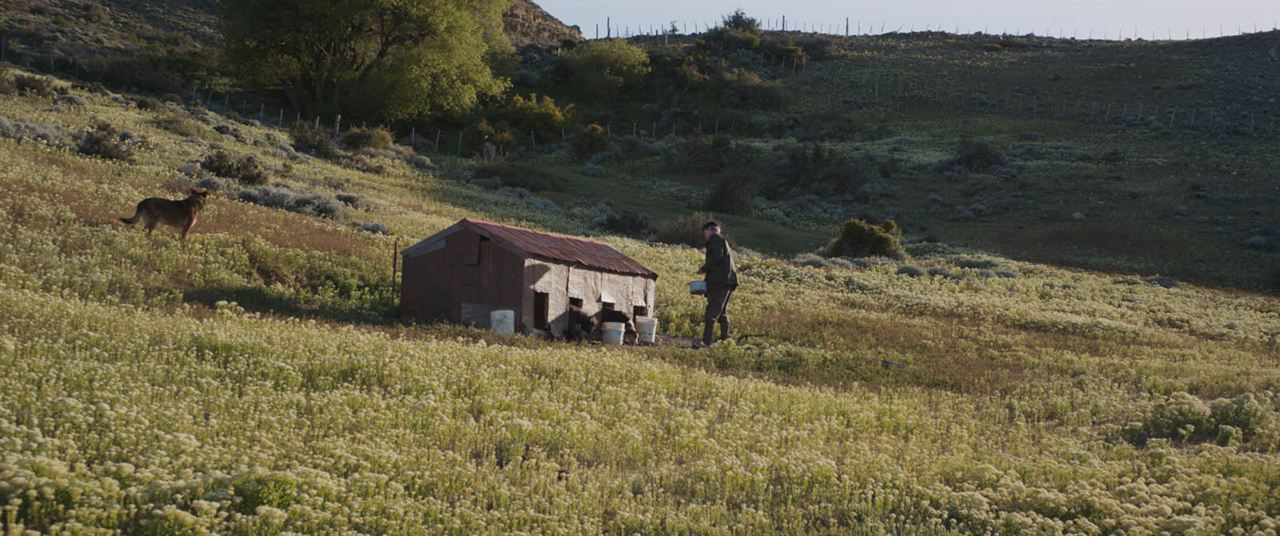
(697, 288)
(611, 333)
(646, 330)
(503, 321)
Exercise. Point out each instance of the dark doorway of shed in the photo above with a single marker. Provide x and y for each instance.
(575, 302)
(541, 310)
(606, 306)
(639, 311)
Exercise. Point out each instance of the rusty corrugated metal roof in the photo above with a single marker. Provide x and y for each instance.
(553, 247)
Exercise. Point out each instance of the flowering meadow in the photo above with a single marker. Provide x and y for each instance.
(252, 380)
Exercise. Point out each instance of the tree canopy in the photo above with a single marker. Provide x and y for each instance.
(381, 59)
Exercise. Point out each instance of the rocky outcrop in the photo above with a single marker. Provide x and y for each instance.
(528, 24)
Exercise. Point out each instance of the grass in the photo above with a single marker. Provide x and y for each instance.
(252, 380)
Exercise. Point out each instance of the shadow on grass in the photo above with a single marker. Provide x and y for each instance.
(371, 311)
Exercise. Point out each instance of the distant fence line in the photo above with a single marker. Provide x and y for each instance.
(854, 27)
(869, 89)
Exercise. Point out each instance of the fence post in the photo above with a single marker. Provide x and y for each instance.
(280, 122)
(413, 137)
(261, 108)
(437, 145)
(459, 143)
(337, 125)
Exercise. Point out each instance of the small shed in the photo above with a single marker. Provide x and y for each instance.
(474, 267)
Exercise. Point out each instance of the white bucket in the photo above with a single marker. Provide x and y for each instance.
(503, 321)
(697, 288)
(646, 330)
(611, 333)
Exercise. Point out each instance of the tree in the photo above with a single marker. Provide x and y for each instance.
(601, 67)
(382, 59)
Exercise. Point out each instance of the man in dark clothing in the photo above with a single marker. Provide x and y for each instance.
(721, 278)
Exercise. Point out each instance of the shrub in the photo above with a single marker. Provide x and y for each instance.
(245, 169)
(733, 192)
(314, 140)
(627, 222)
(685, 230)
(602, 67)
(368, 138)
(106, 141)
(37, 86)
(540, 116)
(183, 125)
(529, 177)
(501, 137)
(351, 200)
(860, 238)
(312, 203)
(47, 134)
(372, 227)
(705, 154)
(590, 141)
(7, 85)
(1180, 415)
(911, 271)
(977, 155)
(1244, 413)
(148, 103)
(741, 88)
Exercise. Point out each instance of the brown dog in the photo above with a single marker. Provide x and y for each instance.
(181, 214)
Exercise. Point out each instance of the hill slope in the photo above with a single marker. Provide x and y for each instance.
(251, 380)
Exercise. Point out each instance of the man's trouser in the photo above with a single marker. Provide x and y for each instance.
(717, 311)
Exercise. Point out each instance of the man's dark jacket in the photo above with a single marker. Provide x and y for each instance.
(719, 269)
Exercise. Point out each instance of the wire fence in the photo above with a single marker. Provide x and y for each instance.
(857, 90)
(852, 27)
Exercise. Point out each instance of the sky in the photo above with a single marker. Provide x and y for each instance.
(1081, 18)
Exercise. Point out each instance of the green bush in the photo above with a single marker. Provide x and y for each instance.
(626, 222)
(1244, 413)
(591, 140)
(7, 84)
(537, 115)
(183, 125)
(38, 86)
(503, 140)
(245, 169)
(733, 191)
(314, 140)
(106, 141)
(368, 138)
(978, 155)
(704, 154)
(1180, 415)
(860, 238)
(602, 67)
(685, 230)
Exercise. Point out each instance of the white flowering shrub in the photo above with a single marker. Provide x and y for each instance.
(253, 381)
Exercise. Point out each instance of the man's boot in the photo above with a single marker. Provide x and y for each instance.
(724, 329)
(706, 335)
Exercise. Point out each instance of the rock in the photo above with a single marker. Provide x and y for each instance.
(1161, 281)
(1256, 242)
(1078, 216)
(891, 364)
(1181, 210)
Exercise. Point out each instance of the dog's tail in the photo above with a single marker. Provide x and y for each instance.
(137, 215)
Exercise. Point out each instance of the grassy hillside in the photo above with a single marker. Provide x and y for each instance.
(252, 380)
